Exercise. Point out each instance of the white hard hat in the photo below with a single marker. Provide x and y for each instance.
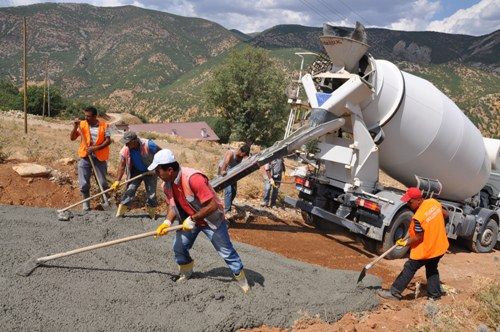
(162, 157)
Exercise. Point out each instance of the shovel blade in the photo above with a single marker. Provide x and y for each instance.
(362, 275)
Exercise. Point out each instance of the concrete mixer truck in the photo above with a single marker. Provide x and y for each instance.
(405, 126)
(366, 116)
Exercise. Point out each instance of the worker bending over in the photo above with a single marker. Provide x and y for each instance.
(191, 197)
(428, 242)
(135, 157)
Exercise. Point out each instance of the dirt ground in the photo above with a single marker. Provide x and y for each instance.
(282, 231)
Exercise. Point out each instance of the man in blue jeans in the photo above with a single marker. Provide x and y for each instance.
(272, 180)
(135, 157)
(191, 198)
(231, 159)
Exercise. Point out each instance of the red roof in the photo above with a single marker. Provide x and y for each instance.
(189, 130)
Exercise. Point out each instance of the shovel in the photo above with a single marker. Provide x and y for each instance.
(32, 264)
(64, 215)
(370, 265)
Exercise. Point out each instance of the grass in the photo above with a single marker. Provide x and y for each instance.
(478, 313)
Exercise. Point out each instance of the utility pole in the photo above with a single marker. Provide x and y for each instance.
(48, 92)
(25, 72)
(45, 88)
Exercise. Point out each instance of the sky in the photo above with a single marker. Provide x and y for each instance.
(471, 17)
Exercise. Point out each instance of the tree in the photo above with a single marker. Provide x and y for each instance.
(10, 97)
(249, 89)
(35, 101)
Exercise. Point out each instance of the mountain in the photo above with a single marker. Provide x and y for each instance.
(240, 35)
(157, 64)
(96, 51)
(420, 46)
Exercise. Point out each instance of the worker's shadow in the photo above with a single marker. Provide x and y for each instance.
(224, 274)
(219, 273)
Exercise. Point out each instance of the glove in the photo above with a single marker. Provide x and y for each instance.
(188, 224)
(271, 181)
(115, 185)
(402, 242)
(163, 228)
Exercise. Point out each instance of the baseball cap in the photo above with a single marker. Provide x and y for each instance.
(411, 193)
(128, 136)
(162, 157)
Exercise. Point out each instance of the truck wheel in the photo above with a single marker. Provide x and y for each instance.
(397, 230)
(487, 240)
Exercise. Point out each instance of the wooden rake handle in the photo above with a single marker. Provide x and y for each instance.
(103, 245)
(103, 192)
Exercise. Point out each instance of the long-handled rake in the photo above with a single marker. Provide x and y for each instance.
(64, 214)
(33, 263)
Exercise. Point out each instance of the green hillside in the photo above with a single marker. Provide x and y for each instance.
(94, 51)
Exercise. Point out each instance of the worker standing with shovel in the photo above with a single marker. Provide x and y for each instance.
(190, 197)
(95, 141)
(135, 157)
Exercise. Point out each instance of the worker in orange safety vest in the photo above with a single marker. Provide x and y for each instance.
(428, 242)
(95, 141)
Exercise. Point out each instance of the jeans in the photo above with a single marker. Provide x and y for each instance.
(270, 192)
(150, 184)
(219, 238)
(229, 195)
(85, 172)
(409, 270)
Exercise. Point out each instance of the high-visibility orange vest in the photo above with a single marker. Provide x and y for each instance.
(435, 242)
(102, 154)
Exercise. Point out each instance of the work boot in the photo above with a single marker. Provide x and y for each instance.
(122, 209)
(242, 281)
(185, 271)
(86, 206)
(151, 211)
(387, 294)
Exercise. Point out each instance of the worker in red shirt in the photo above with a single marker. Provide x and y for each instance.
(428, 242)
(190, 197)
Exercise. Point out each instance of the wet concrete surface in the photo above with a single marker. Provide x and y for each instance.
(131, 286)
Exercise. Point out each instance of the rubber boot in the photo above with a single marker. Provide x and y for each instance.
(185, 271)
(242, 281)
(151, 211)
(86, 204)
(122, 209)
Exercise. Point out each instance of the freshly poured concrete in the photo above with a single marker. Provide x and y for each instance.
(131, 286)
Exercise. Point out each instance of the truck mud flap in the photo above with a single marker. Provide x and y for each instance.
(304, 206)
(278, 150)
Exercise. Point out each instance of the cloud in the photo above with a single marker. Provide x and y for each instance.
(258, 15)
(482, 18)
(417, 18)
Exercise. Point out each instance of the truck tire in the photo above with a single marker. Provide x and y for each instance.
(487, 240)
(397, 230)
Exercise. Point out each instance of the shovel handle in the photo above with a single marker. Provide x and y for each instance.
(369, 265)
(375, 261)
(103, 245)
(103, 192)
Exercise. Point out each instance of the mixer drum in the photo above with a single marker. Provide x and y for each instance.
(426, 134)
